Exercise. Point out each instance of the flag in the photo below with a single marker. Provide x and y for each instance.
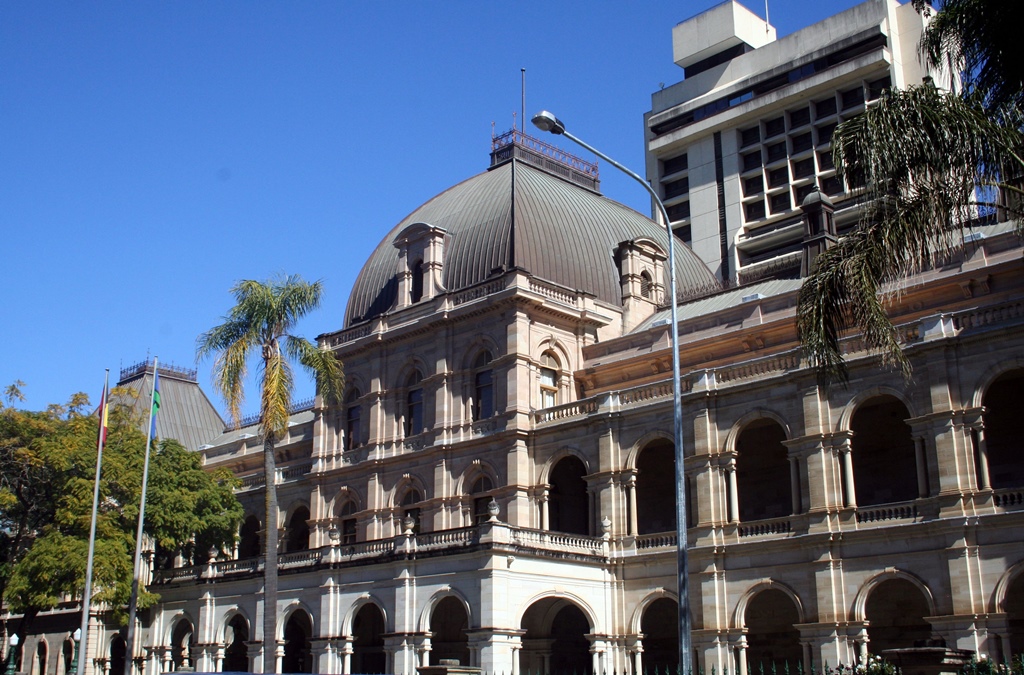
(103, 416)
(156, 404)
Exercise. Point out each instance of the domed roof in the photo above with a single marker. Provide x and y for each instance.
(516, 215)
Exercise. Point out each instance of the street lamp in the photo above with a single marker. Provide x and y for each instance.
(545, 121)
(12, 656)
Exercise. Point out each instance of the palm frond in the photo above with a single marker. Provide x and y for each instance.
(276, 393)
(322, 363)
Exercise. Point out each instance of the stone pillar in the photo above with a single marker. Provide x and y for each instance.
(984, 480)
(794, 483)
(922, 467)
(849, 489)
(631, 492)
(544, 515)
(741, 654)
(734, 499)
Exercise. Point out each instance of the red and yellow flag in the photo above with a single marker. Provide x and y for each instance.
(103, 416)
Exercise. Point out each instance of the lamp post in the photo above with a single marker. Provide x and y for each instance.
(76, 638)
(545, 121)
(12, 656)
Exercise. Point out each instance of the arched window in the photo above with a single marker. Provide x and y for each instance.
(483, 387)
(414, 406)
(353, 415)
(1003, 401)
(481, 498)
(884, 461)
(249, 538)
(549, 368)
(762, 471)
(645, 284)
(410, 508)
(568, 500)
(297, 533)
(347, 516)
(416, 288)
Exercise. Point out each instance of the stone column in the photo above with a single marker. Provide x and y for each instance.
(741, 654)
(922, 467)
(544, 515)
(734, 498)
(849, 489)
(984, 481)
(631, 492)
(794, 484)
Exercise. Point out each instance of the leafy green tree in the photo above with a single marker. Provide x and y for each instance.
(50, 458)
(930, 159)
(258, 328)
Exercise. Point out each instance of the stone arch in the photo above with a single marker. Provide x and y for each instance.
(414, 367)
(1002, 399)
(850, 409)
(478, 344)
(180, 638)
(860, 600)
(559, 455)
(249, 543)
(568, 498)
(754, 415)
(1008, 598)
(42, 655)
(572, 598)
(220, 630)
(645, 602)
(768, 613)
(297, 532)
(475, 470)
(407, 482)
(297, 632)
(657, 619)
(234, 632)
(559, 350)
(346, 494)
(447, 616)
(555, 641)
(739, 613)
(894, 605)
(288, 611)
(655, 487)
(763, 474)
(884, 455)
(651, 436)
(991, 374)
(117, 651)
(365, 624)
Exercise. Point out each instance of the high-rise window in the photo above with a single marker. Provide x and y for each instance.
(483, 387)
(353, 415)
(549, 368)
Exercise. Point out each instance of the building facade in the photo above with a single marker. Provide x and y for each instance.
(497, 487)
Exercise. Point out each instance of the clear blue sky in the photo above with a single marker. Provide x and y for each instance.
(153, 153)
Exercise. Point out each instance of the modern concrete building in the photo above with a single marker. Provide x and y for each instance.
(736, 146)
(497, 487)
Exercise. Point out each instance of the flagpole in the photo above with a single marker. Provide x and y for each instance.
(101, 440)
(133, 604)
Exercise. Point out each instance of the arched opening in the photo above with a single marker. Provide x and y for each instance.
(236, 654)
(1013, 605)
(1003, 402)
(416, 289)
(656, 488)
(181, 644)
(448, 625)
(895, 612)
(249, 538)
(347, 522)
(368, 641)
(298, 657)
(567, 497)
(884, 460)
(645, 284)
(483, 387)
(67, 655)
(762, 471)
(773, 642)
(118, 650)
(549, 380)
(555, 641)
(480, 491)
(353, 418)
(40, 664)
(414, 405)
(660, 626)
(297, 534)
(410, 509)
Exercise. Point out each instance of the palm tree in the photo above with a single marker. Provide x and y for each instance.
(930, 160)
(259, 324)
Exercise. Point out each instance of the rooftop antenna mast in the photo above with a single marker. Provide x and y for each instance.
(767, 26)
(522, 72)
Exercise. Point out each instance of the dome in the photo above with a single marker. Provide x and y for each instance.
(519, 216)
